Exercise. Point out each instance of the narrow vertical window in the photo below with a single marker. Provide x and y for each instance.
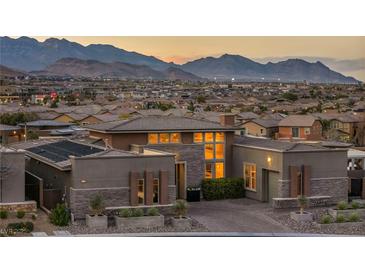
(141, 191)
(156, 191)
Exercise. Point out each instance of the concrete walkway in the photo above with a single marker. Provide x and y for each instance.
(236, 215)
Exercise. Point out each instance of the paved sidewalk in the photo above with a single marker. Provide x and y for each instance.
(236, 215)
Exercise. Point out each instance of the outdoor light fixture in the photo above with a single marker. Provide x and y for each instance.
(269, 160)
(83, 181)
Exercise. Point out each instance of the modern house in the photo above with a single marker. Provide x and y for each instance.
(203, 149)
(283, 170)
(300, 128)
(10, 134)
(74, 172)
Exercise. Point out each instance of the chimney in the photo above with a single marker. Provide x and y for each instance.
(227, 119)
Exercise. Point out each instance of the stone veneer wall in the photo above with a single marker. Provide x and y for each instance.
(80, 199)
(27, 206)
(335, 188)
(193, 154)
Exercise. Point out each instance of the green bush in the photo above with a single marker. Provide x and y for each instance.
(342, 205)
(59, 215)
(97, 205)
(180, 208)
(225, 188)
(354, 217)
(20, 214)
(34, 216)
(137, 212)
(125, 212)
(26, 227)
(355, 205)
(3, 214)
(340, 218)
(326, 219)
(153, 211)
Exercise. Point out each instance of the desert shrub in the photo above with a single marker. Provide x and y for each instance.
(225, 188)
(3, 214)
(34, 216)
(354, 217)
(326, 219)
(137, 212)
(125, 212)
(153, 211)
(180, 208)
(97, 205)
(60, 215)
(20, 214)
(355, 205)
(340, 218)
(26, 227)
(342, 205)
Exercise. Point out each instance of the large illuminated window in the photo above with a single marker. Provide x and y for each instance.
(164, 138)
(209, 151)
(219, 151)
(198, 137)
(219, 170)
(153, 138)
(209, 137)
(175, 138)
(156, 190)
(249, 175)
(140, 191)
(219, 137)
(208, 170)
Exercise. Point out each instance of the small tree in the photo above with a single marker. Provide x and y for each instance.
(303, 202)
(180, 208)
(60, 215)
(97, 205)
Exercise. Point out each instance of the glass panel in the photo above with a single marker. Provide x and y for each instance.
(219, 136)
(153, 138)
(156, 187)
(141, 192)
(198, 137)
(164, 138)
(219, 170)
(219, 151)
(208, 171)
(209, 137)
(175, 137)
(209, 151)
(295, 132)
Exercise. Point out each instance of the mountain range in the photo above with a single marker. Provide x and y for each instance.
(62, 57)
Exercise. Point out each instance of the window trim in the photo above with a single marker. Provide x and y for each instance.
(244, 176)
(292, 131)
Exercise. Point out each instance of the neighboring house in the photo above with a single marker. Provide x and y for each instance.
(275, 169)
(44, 127)
(75, 118)
(75, 172)
(300, 128)
(98, 118)
(10, 134)
(259, 128)
(202, 148)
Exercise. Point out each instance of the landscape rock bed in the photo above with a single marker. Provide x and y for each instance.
(283, 217)
(80, 228)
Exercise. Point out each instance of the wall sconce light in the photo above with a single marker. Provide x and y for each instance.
(269, 160)
(83, 181)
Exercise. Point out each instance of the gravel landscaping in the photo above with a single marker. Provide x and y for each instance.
(283, 217)
(80, 228)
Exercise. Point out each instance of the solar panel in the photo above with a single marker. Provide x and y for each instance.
(62, 150)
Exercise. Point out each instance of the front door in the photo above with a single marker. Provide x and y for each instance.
(180, 180)
(269, 185)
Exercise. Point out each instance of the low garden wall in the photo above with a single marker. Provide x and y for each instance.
(314, 201)
(27, 206)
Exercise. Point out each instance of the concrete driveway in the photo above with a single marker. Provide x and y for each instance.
(237, 215)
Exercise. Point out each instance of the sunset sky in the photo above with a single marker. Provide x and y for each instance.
(344, 54)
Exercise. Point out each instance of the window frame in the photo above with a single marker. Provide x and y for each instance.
(144, 191)
(292, 132)
(158, 190)
(250, 188)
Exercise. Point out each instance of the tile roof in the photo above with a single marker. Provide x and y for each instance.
(266, 123)
(157, 123)
(46, 123)
(298, 121)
